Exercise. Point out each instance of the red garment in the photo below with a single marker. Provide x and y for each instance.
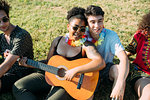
(143, 51)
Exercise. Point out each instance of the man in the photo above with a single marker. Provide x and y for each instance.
(14, 43)
(108, 44)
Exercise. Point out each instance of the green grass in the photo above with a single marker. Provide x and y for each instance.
(46, 19)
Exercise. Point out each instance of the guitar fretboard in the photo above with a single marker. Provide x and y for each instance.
(48, 68)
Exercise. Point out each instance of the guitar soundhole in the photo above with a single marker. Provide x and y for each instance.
(61, 72)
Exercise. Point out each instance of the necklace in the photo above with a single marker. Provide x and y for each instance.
(86, 37)
(74, 43)
(99, 41)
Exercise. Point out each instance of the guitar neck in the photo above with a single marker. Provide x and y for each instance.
(42, 66)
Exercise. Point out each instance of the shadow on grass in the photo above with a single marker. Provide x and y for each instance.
(7, 96)
(106, 88)
(103, 93)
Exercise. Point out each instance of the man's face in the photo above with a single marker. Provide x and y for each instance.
(4, 21)
(95, 24)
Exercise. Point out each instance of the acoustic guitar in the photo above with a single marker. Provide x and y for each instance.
(55, 72)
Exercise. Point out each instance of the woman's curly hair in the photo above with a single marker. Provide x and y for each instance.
(76, 12)
(145, 23)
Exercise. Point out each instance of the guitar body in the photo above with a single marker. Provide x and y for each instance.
(89, 81)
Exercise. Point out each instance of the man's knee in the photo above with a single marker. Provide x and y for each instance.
(142, 87)
(113, 73)
(145, 93)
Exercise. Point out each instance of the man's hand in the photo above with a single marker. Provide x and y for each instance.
(118, 91)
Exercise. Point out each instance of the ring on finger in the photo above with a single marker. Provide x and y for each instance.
(112, 98)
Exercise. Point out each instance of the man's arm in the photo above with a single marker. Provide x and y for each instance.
(123, 66)
(7, 64)
(120, 82)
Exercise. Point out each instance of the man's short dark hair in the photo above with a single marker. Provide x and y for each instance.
(5, 6)
(94, 11)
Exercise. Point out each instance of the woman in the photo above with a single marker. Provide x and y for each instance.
(140, 45)
(71, 46)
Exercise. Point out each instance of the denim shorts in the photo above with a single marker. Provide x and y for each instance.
(104, 75)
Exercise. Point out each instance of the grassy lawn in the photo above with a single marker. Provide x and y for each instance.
(46, 19)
